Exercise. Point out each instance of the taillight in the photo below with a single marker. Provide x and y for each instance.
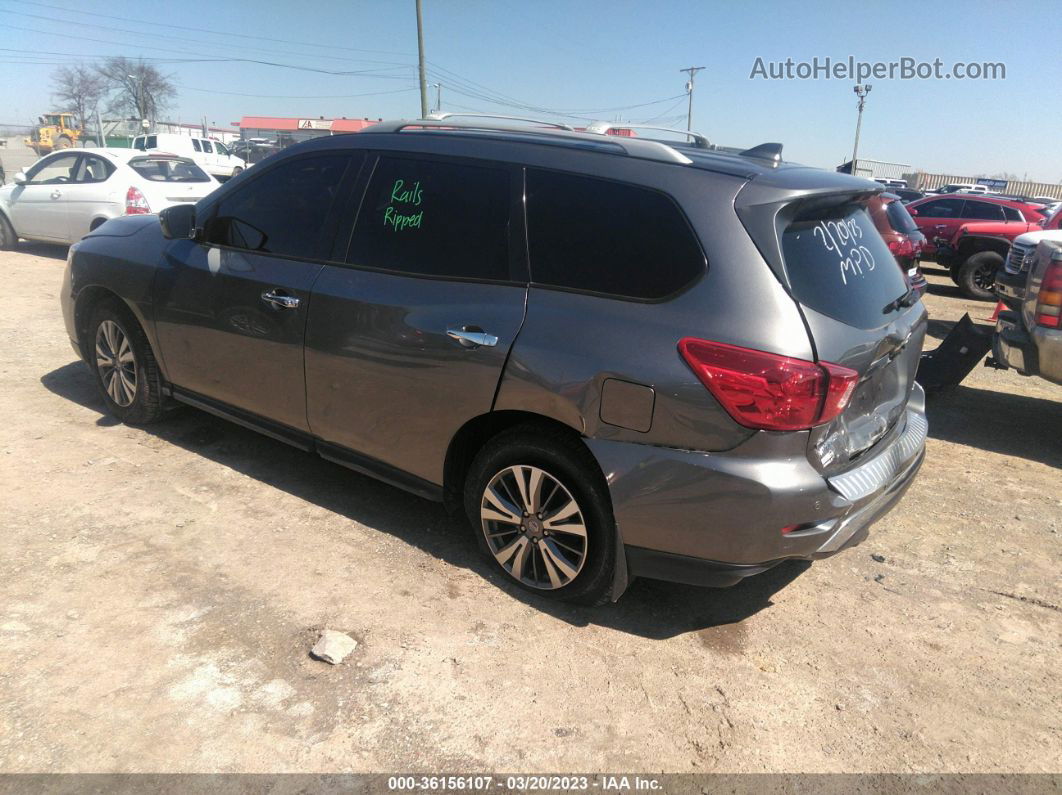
(901, 248)
(135, 202)
(1049, 299)
(767, 391)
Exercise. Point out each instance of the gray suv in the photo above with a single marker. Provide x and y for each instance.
(620, 357)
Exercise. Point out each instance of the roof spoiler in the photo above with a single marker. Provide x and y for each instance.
(769, 151)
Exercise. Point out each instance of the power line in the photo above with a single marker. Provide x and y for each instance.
(171, 37)
(297, 96)
(170, 26)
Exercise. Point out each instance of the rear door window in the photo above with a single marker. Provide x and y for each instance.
(982, 211)
(208, 148)
(838, 265)
(1011, 214)
(435, 218)
(196, 146)
(608, 237)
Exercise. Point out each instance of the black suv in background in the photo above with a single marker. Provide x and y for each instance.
(619, 357)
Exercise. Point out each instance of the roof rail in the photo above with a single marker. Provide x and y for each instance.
(442, 116)
(769, 151)
(641, 148)
(603, 128)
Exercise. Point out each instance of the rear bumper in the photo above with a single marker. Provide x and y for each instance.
(1010, 288)
(656, 565)
(715, 518)
(1038, 352)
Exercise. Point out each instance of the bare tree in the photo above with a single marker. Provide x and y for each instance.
(137, 89)
(79, 89)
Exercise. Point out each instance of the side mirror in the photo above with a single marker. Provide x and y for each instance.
(178, 222)
(20, 178)
(912, 210)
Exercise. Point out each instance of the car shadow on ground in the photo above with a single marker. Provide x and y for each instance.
(649, 609)
(49, 250)
(1014, 425)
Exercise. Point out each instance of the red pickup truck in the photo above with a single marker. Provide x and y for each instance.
(976, 251)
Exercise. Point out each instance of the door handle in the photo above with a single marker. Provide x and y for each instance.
(471, 336)
(57, 194)
(280, 300)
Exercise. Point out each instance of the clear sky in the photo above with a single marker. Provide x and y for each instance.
(587, 59)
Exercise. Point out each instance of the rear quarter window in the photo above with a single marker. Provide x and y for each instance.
(608, 237)
(839, 266)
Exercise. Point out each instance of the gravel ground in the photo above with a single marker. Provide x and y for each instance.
(160, 589)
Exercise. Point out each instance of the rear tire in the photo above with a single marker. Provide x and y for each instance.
(121, 358)
(8, 238)
(977, 274)
(553, 532)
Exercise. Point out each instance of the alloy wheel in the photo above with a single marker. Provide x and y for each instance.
(534, 527)
(985, 277)
(116, 363)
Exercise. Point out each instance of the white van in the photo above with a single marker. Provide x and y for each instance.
(211, 156)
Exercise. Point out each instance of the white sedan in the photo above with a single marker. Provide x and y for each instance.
(68, 193)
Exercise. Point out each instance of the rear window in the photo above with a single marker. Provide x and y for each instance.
(899, 219)
(838, 265)
(168, 169)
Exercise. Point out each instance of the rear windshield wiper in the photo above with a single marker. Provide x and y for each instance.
(907, 299)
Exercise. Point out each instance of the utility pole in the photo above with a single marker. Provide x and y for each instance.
(861, 91)
(438, 96)
(420, 54)
(692, 71)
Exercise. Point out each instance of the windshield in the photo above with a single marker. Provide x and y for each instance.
(168, 169)
(839, 265)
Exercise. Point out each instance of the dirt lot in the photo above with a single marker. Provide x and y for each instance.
(160, 589)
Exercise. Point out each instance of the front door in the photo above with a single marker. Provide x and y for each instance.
(939, 218)
(38, 208)
(231, 310)
(408, 342)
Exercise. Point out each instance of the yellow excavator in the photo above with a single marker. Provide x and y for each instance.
(56, 131)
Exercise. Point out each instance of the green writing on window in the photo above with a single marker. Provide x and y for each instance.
(404, 194)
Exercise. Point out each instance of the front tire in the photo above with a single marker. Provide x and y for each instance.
(8, 238)
(541, 511)
(977, 274)
(120, 357)
(236, 171)
(64, 142)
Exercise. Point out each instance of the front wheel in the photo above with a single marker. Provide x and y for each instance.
(64, 142)
(541, 511)
(977, 275)
(236, 171)
(127, 374)
(8, 238)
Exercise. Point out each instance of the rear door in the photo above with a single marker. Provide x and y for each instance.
(231, 310)
(938, 218)
(407, 342)
(844, 277)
